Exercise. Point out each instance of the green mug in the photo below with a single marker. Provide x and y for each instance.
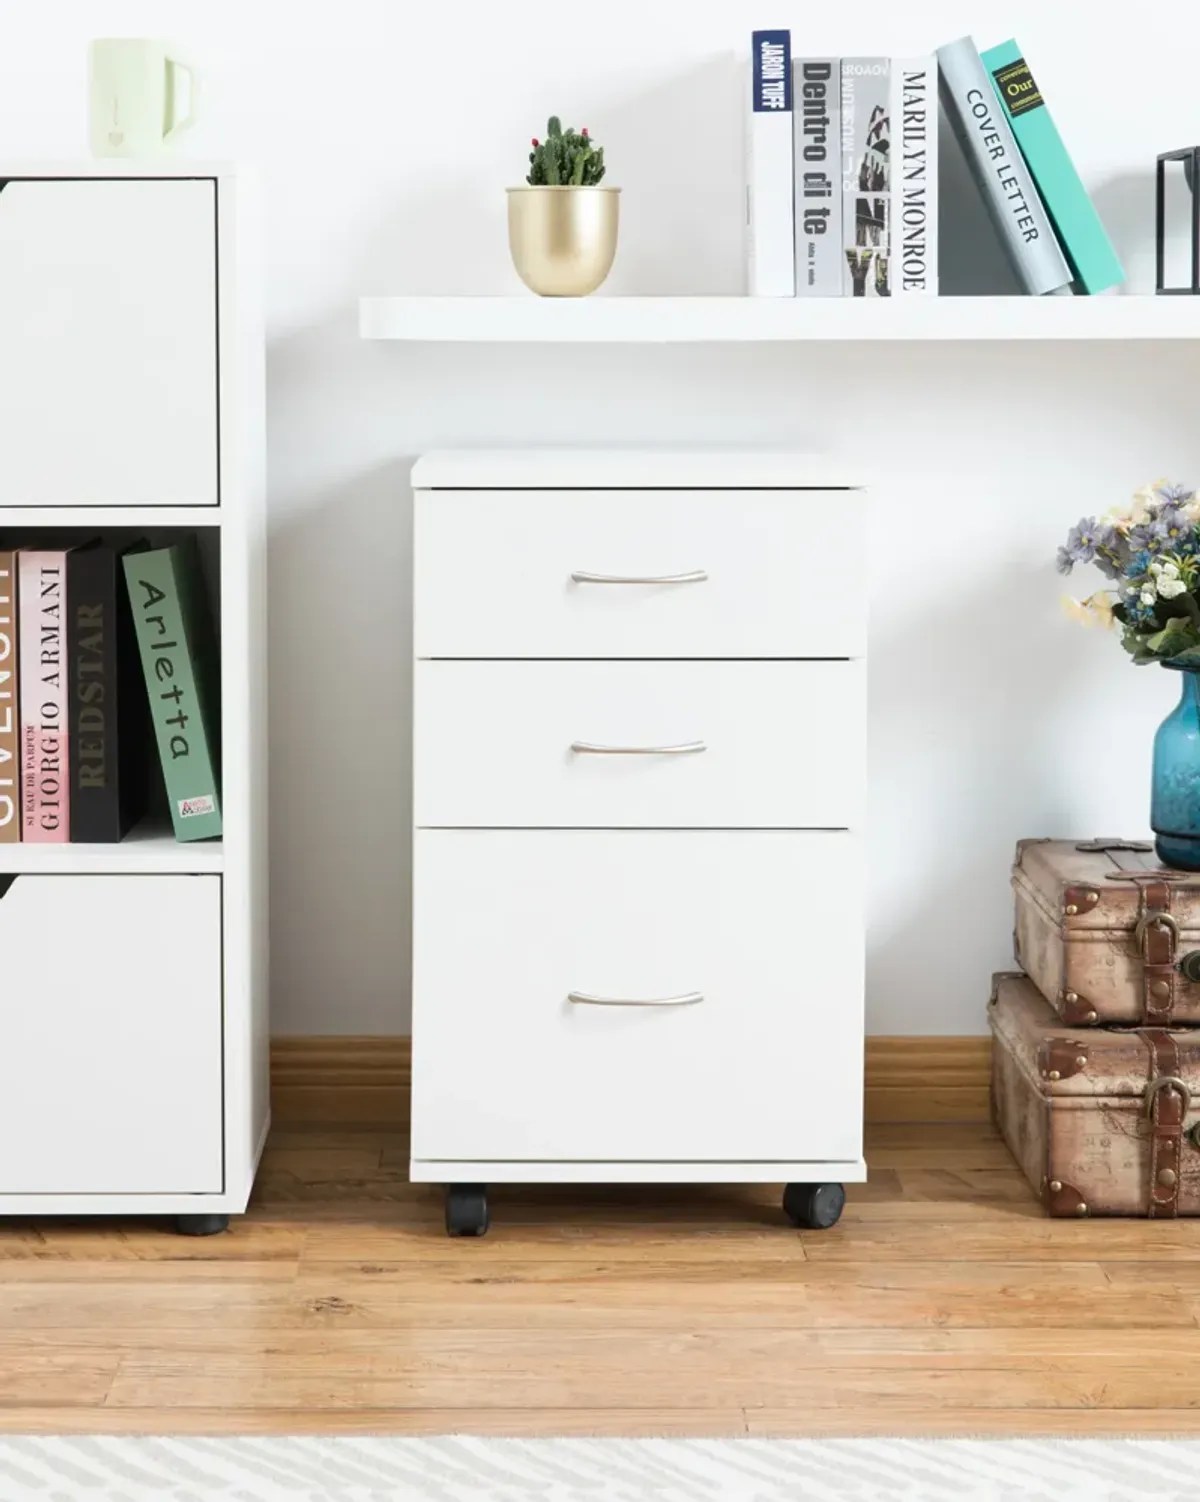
(143, 96)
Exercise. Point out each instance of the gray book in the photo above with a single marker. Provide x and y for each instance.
(996, 163)
(817, 113)
(866, 176)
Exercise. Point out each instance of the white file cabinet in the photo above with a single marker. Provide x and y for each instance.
(639, 782)
(133, 1004)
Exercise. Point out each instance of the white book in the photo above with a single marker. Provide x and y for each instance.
(914, 112)
(866, 176)
(770, 236)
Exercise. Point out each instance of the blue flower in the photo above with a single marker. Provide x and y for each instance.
(1171, 526)
(1139, 564)
(1175, 495)
(1107, 565)
(1064, 562)
(1148, 538)
(1084, 538)
(1136, 613)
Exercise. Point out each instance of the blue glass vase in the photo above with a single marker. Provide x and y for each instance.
(1175, 796)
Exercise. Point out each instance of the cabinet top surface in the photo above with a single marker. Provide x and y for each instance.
(118, 167)
(634, 469)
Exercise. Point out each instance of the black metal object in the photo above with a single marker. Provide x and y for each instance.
(1190, 157)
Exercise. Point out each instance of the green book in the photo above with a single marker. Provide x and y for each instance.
(1083, 238)
(179, 662)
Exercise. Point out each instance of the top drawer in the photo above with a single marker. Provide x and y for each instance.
(108, 342)
(720, 573)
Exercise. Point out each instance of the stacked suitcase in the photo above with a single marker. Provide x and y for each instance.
(1096, 1046)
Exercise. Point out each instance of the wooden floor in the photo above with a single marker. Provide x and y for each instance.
(943, 1303)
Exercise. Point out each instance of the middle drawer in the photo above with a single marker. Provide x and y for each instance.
(734, 745)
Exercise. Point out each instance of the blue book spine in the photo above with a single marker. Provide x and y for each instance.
(1093, 260)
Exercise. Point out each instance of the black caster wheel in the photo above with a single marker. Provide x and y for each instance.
(814, 1207)
(466, 1210)
(201, 1225)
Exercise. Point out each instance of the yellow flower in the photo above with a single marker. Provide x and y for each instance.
(1100, 606)
(1076, 610)
(1096, 610)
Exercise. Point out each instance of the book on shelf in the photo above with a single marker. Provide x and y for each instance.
(866, 176)
(770, 236)
(914, 166)
(817, 116)
(45, 790)
(108, 727)
(982, 128)
(178, 651)
(1092, 259)
(10, 718)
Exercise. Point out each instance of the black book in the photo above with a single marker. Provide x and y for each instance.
(108, 723)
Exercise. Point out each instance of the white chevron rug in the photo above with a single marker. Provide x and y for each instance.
(667, 1470)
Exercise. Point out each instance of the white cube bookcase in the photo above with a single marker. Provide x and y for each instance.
(133, 1011)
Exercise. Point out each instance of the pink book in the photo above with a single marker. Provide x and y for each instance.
(42, 604)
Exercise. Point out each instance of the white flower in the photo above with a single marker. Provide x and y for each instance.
(1156, 567)
(1168, 570)
(1170, 588)
(1147, 596)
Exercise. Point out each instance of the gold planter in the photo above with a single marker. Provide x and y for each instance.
(563, 240)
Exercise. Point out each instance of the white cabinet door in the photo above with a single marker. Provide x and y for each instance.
(725, 977)
(108, 342)
(753, 573)
(767, 745)
(110, 1035)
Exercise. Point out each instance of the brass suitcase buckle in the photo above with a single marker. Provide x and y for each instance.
(1155, 916)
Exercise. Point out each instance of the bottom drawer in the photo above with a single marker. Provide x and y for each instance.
(611, 995)
(110, 1035)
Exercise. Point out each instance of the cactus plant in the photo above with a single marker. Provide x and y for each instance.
(565, 159)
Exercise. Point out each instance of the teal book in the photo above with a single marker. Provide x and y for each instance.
(1087, 247)
(178, 649)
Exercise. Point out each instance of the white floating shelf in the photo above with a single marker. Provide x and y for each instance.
(148, 849)
(668, 320)
(102, 517)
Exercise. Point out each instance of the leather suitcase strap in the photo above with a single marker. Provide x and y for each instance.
(1158, 939)
(1167, 1100)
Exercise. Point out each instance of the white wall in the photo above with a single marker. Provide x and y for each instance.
(387, 131)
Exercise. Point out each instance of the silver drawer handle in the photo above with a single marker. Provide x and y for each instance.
(693, 576)
(685, 748)
(584, 999)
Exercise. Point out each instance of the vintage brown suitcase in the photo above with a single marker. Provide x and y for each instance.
(1105, 934)
(1099, 1119)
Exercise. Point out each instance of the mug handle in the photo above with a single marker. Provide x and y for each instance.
(179, 125)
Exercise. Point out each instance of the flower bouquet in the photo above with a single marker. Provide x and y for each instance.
(1151, 551)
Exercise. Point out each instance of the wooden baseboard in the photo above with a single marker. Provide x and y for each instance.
(928, 1079)
(365, 1081)
(360, 1081)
